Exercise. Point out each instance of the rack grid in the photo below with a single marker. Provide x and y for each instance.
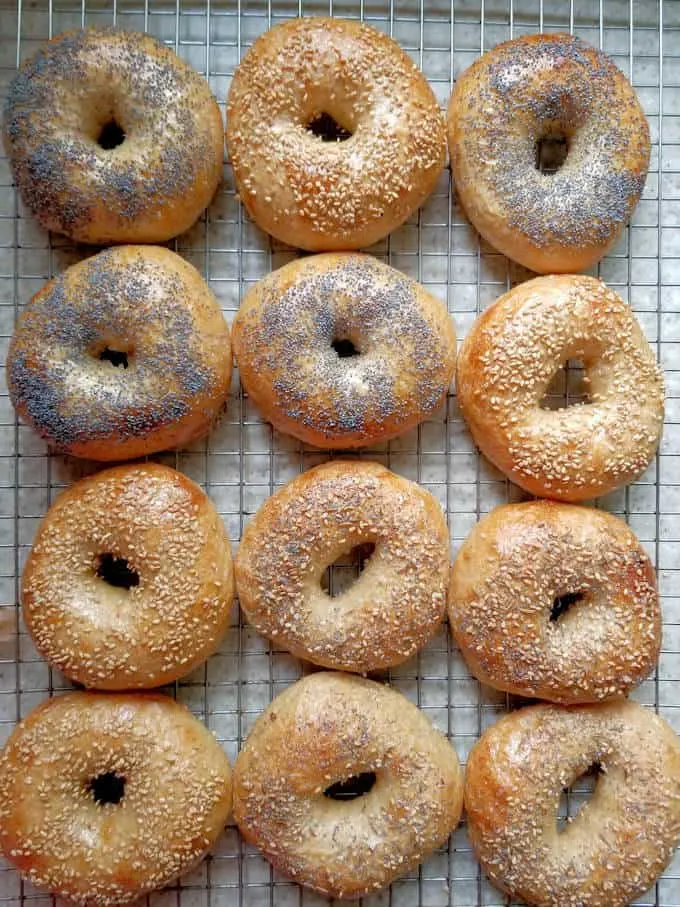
(244, 460)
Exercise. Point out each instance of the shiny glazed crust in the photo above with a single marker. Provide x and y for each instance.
(505, 367)
(396, 604)
(151, 187)
(167, 530)
(519, 93)
(332, 195)
(622, 838)
(514, 564)
(148, 303)
(324, 729)
(283, 335)
(176, 800)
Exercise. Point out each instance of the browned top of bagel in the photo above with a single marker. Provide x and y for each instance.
(396, 604)
(163, 528)
(505, 367)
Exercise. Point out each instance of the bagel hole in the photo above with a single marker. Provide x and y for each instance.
(562, 603)
(575, 797)
(116, 572)
(111, 135)
(346, 569)
(345, 349)
(351, 788)
(117, 358)
(108, 787)
(568, 387)
(326, 128)
(551, 153)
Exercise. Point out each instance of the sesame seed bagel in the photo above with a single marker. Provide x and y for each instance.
(505, 367)
(555, 601)
(520, 94)
(106, 797)
(309, 73)
(321, 738)
(113, 138)
(396, 604)
(121, 355)
(341, 351)
(621, 839)
(129, 582)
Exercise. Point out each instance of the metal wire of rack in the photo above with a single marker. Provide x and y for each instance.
(244, 460)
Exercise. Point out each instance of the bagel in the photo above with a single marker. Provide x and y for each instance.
(505, 367)
(340, 350)
(554, 601)
(325, 737)
(129, 582)
(541, 88)
(314, 76)
(113, 138)
(621, 839)
(124, 354)
(107, 797)
(396, 604)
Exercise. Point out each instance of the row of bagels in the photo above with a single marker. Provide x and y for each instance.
(335, 138)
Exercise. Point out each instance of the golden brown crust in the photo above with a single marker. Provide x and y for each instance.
(506, 364)
(283, 339)
(166, 530)
(519, 93)
(390, 611)
(332, 195)
(151, 187)
(148, 304)
(508, 573)
(620, 841)
(176, 798)
(324, 729)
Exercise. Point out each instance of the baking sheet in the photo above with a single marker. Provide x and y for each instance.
(244, 461)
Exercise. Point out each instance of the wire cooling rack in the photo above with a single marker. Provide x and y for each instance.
(244, 461)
